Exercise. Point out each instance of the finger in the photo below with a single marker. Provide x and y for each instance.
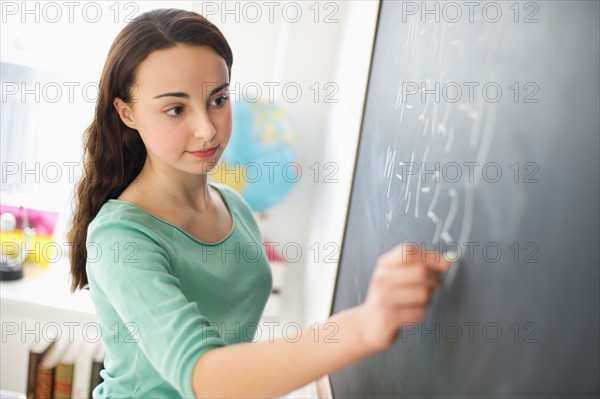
(406, 316)
(437, 262)
(434, 280)
(408, 297)
(414, 275)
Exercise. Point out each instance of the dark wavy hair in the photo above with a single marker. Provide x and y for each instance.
(114, 154)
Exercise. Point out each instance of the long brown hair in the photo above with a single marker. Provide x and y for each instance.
(114, 154)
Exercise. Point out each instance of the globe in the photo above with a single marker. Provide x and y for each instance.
(260, 161)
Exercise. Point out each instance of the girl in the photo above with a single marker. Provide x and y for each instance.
(160, 248)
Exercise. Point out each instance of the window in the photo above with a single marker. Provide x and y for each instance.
(51, 58)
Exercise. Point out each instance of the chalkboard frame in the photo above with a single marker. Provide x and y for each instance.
(360, 137)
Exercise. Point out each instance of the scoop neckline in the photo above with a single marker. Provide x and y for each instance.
(225, 201)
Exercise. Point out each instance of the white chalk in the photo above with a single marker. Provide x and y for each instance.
(451, 256)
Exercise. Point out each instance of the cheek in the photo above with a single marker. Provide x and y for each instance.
(224, 125)
(161, 135)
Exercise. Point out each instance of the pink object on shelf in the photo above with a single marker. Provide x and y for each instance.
(272, 253)
(43, 221)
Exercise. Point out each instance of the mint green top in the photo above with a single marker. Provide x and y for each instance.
(163, 297)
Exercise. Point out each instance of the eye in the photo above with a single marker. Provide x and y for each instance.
(175, 111)
(220, 101)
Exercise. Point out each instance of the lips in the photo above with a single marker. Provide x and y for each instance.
(205, 153)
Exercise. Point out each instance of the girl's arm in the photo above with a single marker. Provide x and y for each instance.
(398, 293)
(272, 369)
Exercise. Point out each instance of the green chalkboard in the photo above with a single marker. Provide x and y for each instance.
(480, 134)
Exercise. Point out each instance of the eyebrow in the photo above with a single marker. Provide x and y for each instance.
(181, 94)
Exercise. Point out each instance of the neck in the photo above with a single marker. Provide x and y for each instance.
(175, 187)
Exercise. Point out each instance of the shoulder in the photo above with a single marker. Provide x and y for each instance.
(124, 241)
(119, 220)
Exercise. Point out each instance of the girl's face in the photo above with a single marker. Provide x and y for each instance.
(180, 107)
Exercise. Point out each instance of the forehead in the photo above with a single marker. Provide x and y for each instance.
(181, 68)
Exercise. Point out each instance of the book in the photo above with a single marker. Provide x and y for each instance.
(97, 366)
(82, 374)
(44, 384)
(63, 373)
(37, 350)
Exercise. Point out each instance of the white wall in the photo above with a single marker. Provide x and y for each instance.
(339, 147)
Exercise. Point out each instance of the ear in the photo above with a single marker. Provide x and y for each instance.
(125, 112)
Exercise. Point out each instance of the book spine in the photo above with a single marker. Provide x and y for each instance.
(44, 381)
(34, 360)
(63, 381)
(96, 379)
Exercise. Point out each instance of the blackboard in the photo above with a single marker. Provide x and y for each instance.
(481, 134)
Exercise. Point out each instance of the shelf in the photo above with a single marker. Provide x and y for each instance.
(45, 289)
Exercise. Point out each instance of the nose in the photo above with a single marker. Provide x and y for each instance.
(203, 127)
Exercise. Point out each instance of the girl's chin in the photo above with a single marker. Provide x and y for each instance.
(205, 168)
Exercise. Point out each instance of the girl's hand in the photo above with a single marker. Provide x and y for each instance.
(398, 293)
